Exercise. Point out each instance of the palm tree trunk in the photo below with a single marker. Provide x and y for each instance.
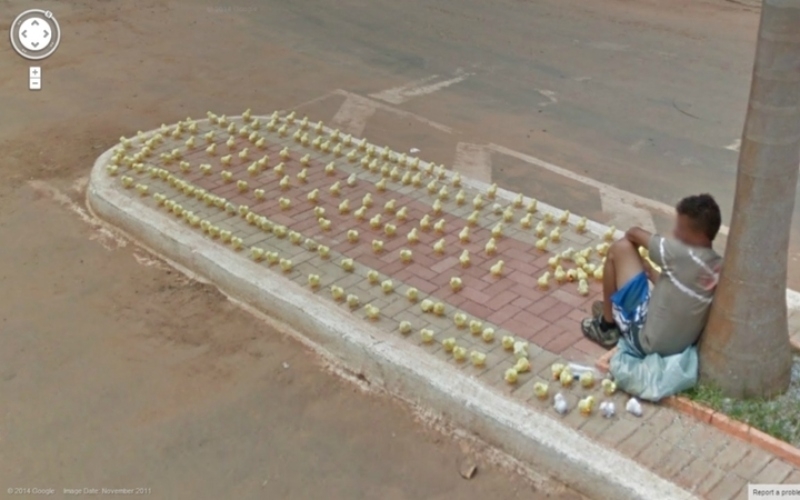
(745, 350)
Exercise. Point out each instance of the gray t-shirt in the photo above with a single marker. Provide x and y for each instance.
(681, 298)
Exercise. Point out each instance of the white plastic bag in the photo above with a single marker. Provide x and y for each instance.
(653, 377)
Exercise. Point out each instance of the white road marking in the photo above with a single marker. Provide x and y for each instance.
(613, 46)
(418, 88)
(637, 146)
(353, 115)
(734, 146)
(792, 300)
(390, 95)
(313, 101)
(473, 160)
(551, 96)
(395, 111)
(107, 238)
(685, 162)
(582, 78)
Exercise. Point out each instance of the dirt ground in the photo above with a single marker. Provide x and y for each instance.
(117, 371)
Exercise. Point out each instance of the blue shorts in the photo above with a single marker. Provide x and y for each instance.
(629, 306)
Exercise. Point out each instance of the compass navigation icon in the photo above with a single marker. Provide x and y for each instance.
(35, 34)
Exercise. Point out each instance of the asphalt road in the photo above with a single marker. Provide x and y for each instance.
(648, 94)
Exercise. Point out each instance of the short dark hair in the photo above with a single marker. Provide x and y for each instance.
(704, 212)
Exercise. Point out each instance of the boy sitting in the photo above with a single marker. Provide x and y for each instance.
(671, 317)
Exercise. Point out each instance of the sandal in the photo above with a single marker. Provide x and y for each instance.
(592, 331)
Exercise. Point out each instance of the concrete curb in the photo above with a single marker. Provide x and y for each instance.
(394, 365)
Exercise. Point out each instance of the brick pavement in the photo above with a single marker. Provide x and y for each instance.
(279, 185)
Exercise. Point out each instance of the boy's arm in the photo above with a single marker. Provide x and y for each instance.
(638, 236)
(641, 238)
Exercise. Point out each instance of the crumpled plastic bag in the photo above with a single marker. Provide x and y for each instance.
(653, 377)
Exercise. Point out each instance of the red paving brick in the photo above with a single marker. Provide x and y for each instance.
(500, 300)
(578, 315)
(556, 312)
(532, 294)
(542, 305)
(590, 348)
(505, 311)
(522, 302)
(562, 342)
(546, 335)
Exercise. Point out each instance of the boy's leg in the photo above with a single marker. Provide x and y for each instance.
(623, 263)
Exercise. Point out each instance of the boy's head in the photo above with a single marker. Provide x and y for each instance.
(698, 220)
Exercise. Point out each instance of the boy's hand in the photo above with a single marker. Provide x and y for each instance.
(708, 281)
(652, 274)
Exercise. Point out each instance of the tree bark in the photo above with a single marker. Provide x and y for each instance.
(745, 350)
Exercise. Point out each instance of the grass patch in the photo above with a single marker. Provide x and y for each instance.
(779, 417)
